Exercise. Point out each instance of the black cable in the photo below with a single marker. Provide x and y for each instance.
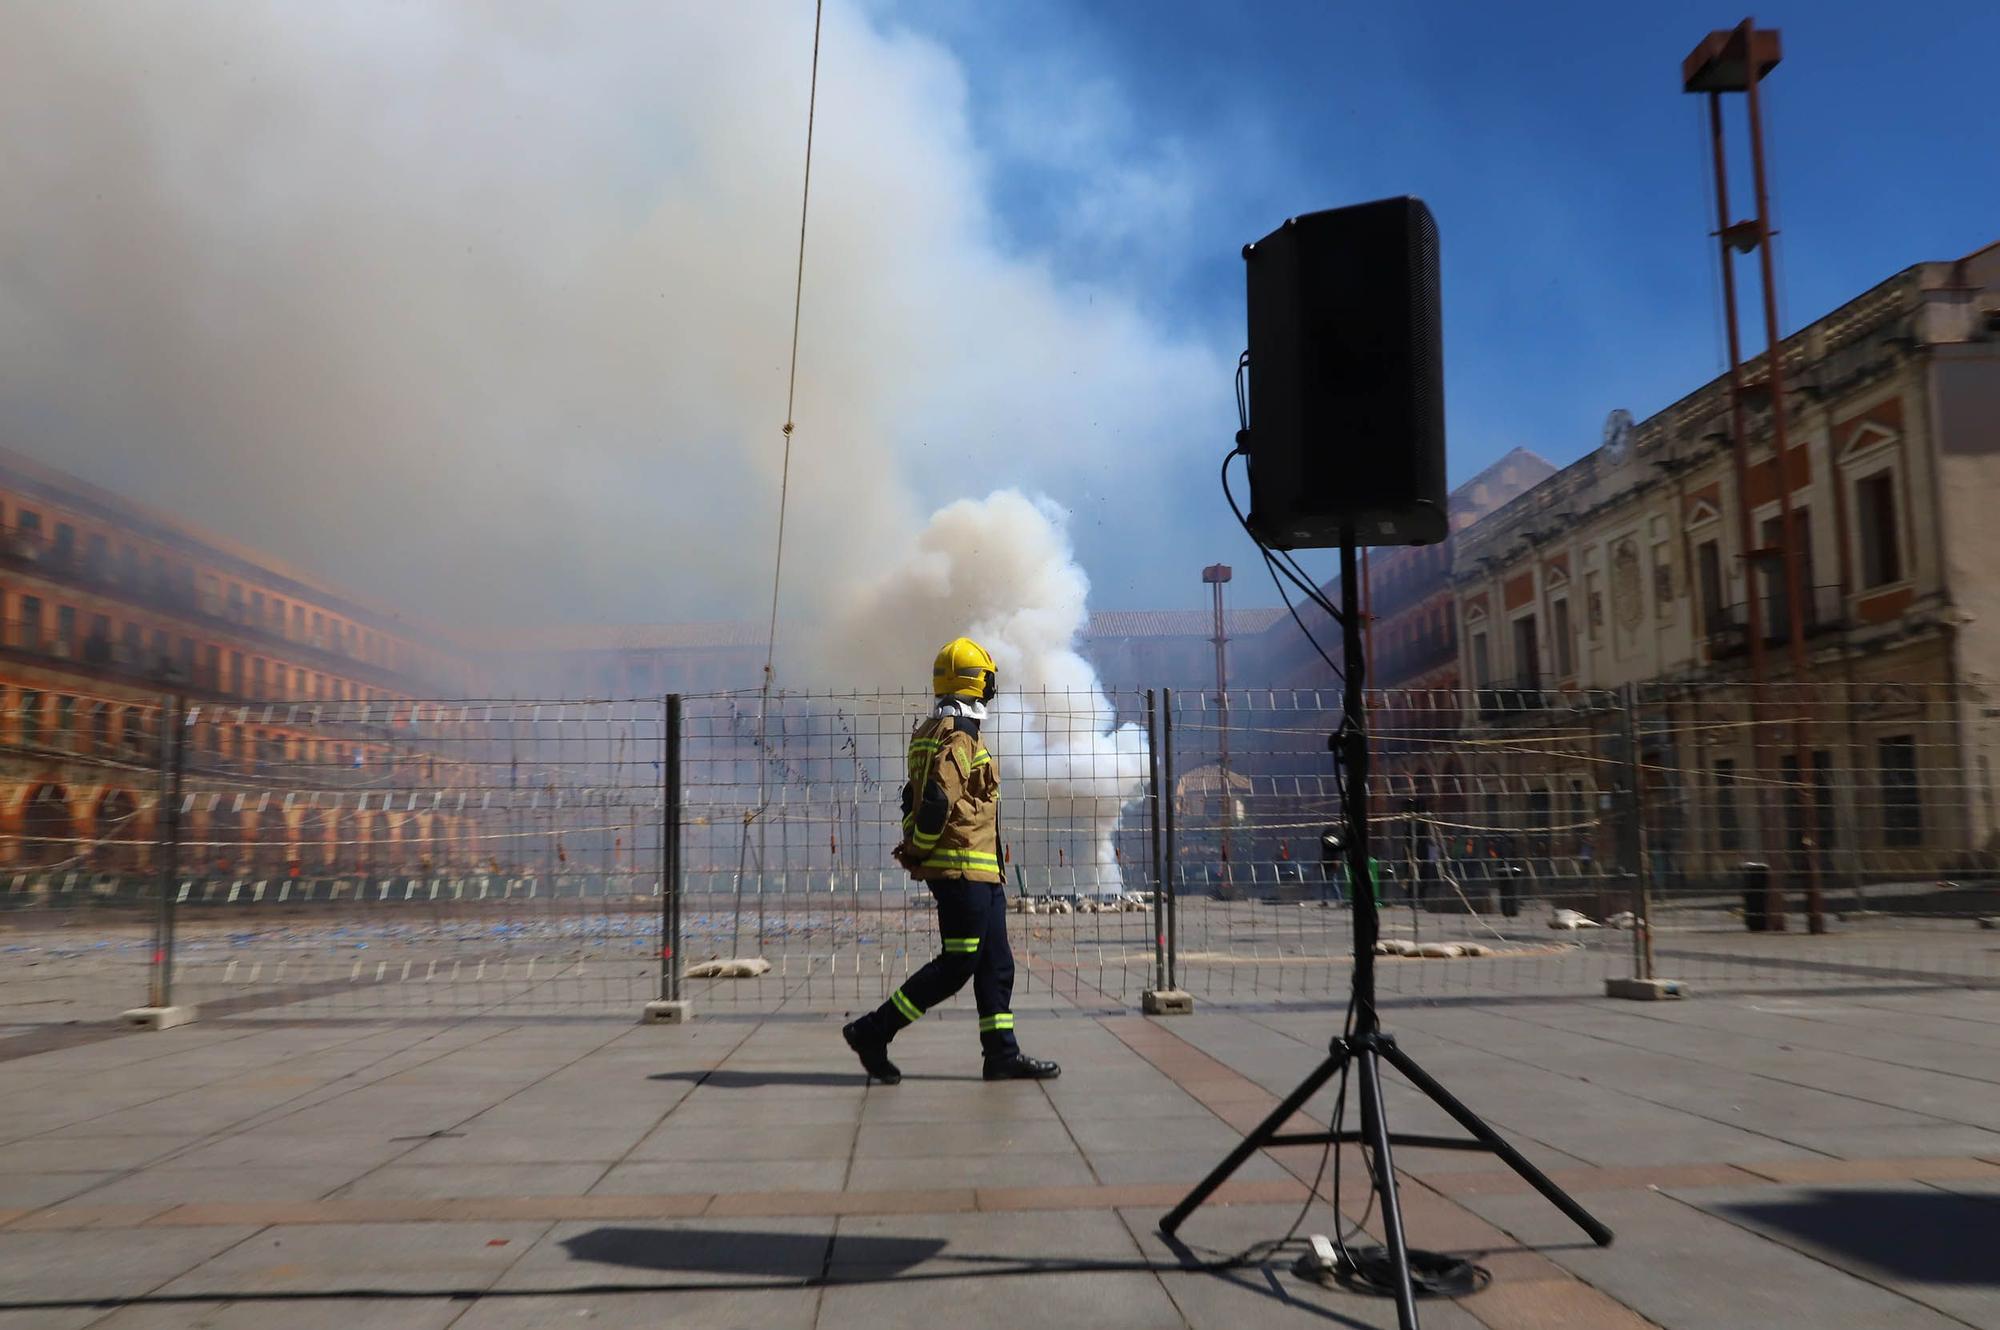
(1271, 566)
(1286, 562)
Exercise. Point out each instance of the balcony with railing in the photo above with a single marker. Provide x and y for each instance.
(1514, 698)
(1727, 629)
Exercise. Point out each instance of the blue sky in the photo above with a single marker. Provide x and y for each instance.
(1137, 147)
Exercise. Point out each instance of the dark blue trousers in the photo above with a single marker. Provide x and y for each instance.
(972, 922)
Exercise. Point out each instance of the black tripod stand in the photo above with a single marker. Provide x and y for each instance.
(1366, 1046)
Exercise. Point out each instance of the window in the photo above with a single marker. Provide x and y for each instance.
(66, 629)
(1728, 829)
(1565, 661)
(1777, 609)
(257, 688)
(1902, 810)
(1527, 661)
(187, 657)
(235, 603)
(100, 728)
(65, 547)
(1875, 515)
(134, 640)
(128, 565)
(298, 622)
(30, 523)
(31, 718)
(236, 673)
(1482, 673)
(136, 731)
(257, 608)
(96, 555)
(211, 668)
(1708, 567)
(65, 722)
(277, 615)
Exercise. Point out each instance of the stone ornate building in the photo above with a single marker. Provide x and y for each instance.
(1642, 565)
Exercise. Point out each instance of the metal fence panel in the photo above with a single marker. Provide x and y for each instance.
(512, 857)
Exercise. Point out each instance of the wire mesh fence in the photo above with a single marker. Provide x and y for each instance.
(528, 858)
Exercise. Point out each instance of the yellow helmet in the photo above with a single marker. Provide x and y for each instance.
(964, 669)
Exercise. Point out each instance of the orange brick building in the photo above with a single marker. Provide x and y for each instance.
(299, 696)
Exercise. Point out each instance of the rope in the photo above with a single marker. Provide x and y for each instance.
(784, 497)
(792, 375)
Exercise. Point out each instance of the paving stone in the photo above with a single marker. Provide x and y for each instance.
(274, 1146)
(523, 1147)
(985, 1243)
(894, 1140)
(180, 1186)
(1187, 1166)
(1179, 1134)
(1104, 1301)
(724, 1175)
(434, 1181)
(1008, 1170)
(29, 1191)
(1688, 1270)
(85, 1154)
(292, 1313)
(107, 1263)
(675, 1141)
(332, 1258)
(683, 1309)
(1932, 1245)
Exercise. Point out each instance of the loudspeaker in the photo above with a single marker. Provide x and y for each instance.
(1347, 379)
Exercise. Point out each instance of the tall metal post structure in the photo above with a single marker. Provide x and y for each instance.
(1217, 575)
(1737, 60)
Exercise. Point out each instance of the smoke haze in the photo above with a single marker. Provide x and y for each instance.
(483, 310)
(1001, 570)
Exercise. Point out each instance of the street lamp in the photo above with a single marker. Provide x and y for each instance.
(1216, 575)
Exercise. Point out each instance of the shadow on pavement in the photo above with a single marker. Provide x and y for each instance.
(1922, 1235)
(727, 1079)
(795, 1256)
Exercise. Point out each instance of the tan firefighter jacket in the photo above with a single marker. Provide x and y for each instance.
(950, 772)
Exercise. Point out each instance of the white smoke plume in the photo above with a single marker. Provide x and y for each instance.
(483, 310)
(1000, 570)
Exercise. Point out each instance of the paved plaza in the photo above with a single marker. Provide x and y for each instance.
(1800, 1160)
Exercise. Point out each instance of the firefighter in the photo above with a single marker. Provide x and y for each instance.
(951, 842)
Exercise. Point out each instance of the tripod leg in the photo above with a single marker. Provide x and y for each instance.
(1375, 1127)
(1254, 1142)
(1497, 1143)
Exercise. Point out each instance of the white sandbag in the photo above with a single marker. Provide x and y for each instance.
(746, 968)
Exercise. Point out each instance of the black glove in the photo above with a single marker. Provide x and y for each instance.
(906, 798)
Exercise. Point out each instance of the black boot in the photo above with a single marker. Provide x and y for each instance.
(1020, 1067)
(873, 1052)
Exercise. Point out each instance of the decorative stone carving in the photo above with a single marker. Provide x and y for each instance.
(1627, 599)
